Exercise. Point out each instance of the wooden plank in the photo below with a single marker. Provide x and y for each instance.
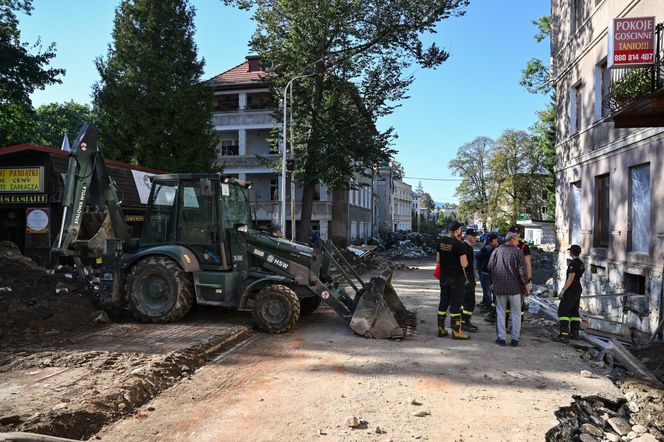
(632, 364)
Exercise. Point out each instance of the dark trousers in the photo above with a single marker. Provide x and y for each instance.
(568, 312)
(451, 297)
(468, 302)
(485, 281)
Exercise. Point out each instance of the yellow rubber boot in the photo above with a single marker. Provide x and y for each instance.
(442, 331)
(457, 333)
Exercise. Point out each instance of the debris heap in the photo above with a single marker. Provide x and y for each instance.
(35, 301)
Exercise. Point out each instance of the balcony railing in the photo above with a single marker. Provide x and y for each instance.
(248, 161)
(242, 117)
(629, 85)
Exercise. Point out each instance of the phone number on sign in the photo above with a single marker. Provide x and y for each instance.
(633, 58)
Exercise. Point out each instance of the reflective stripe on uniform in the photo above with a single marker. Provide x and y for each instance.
(442, 313)
(575, 319)
(455, 314)
(466, 312)
(563, 318)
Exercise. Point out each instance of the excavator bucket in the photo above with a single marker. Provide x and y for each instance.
(380, 314)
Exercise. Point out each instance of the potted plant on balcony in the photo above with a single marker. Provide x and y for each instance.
(632, 86)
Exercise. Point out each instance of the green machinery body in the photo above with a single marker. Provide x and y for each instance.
(198, 247)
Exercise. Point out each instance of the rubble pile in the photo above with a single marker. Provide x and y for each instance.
(637, 417)
(411, 245)
(35, 301)
(372, 262)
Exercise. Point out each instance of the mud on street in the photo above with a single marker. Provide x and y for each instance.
(211, 377)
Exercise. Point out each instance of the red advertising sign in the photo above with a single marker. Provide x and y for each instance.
(632, 41)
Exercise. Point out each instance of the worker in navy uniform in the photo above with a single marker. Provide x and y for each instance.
(468, 304)
(523, 246)
(570, 297)
(453, 262)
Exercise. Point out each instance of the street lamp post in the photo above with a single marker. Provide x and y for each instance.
(283, 161)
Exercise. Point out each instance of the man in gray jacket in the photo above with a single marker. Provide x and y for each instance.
(509, 275)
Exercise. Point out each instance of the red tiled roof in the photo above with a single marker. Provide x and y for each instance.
(240, 74)
(55, 151)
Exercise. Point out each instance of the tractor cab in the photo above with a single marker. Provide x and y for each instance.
(200, 212)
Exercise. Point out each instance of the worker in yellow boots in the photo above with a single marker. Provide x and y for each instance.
(453, 262)
(570, 297)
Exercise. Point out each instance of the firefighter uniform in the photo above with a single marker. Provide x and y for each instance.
(452, 278)
(568, 310)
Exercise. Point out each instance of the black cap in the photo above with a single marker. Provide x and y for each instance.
(515, 229)
(471, 232)
(491, 237)
(575, 249)
(454, 225)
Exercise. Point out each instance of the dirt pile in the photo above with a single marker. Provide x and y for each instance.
(411, 245)
(639, 416)
(29, 304)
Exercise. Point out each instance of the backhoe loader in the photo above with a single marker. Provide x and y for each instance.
(198, 247)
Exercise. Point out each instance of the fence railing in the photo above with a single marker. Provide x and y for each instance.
(629, 85)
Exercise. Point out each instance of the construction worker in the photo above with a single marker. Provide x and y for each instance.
(468, 304)
(523, 246)
(570, 297)
(453, 262)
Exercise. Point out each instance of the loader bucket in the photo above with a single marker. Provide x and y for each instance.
(380, 314)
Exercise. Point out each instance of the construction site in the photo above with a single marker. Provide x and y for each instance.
(72, 368)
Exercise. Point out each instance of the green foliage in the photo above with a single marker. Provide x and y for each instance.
(151, 103)
(358, 53)
(55, 118)
(543, 28)
(471, 164)
(544, 138)
(636, 83)
(17, 124)
(21, 72)
(426, 202)
(536, 75)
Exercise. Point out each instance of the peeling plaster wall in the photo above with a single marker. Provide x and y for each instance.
(598, 148)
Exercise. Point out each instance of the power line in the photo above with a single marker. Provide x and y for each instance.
(432, 179)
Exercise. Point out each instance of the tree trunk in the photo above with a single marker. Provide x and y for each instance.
(307, 208)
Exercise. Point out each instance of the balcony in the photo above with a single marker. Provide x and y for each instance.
(243, 117)
(249, 161)
(322, 210)
(636, 95)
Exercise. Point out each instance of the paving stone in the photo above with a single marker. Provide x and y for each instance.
(620, 425)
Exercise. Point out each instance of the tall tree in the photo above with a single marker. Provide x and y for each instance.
(516, 168)
(21, 73)
(53, 119)
(536, 78)
(471, 164)
(152, 105)
(357, 53)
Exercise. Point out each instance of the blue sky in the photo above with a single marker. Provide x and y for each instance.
(475, 93)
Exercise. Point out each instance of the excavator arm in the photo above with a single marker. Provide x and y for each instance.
(91, 207)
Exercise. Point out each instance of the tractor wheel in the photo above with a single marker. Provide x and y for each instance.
(159, 290)
(276, 308)
(309, 305)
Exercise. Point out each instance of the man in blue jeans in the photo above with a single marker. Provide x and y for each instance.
(483, 256)
(510, 280)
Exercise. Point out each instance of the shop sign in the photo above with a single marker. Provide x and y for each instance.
(36, 220)
(23, 198)
(22, 179)
(134, 218)
(631, 42)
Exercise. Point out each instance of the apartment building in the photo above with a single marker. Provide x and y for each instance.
(243, 118)
(402, 210)
(394, 201)
(610, 146)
